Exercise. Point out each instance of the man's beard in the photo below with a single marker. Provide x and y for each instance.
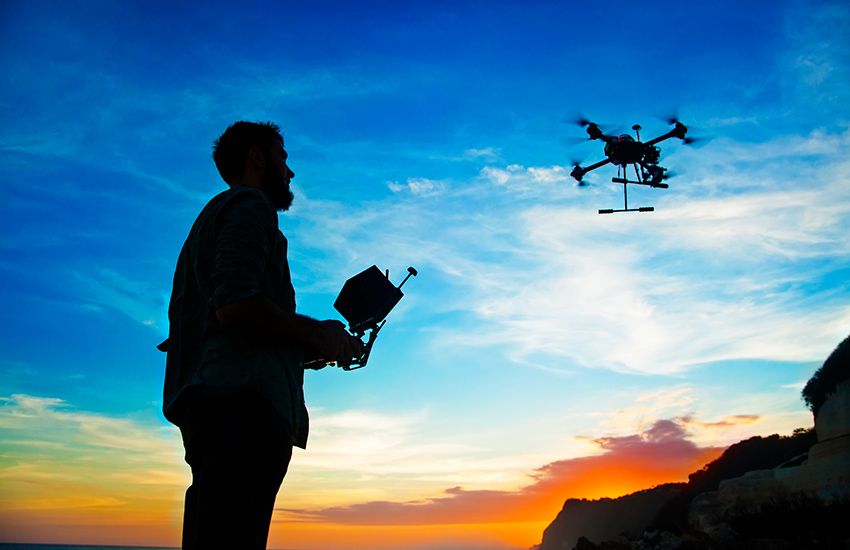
(280, 195)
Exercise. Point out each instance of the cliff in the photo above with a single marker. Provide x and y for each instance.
(755, 453)
(771, 492)
(765, 492)
(821, 481)
(606, 519)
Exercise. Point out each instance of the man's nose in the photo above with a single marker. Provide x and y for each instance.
(291, 173)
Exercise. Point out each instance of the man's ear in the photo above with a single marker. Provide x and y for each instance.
(257, 157)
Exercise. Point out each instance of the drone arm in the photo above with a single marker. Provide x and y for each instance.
(578, 172)
(678, 132)
(659, 139)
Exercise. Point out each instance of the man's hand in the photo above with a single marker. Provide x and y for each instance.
(334, 344)
(260, 318)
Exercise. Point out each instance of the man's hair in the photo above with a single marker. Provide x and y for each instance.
(231, 148)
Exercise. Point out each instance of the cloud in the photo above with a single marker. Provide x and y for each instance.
(52, 422)
(728, 422)
(379, 449)
(733, 263)
(530, 180)
(58, 459)
(817, 62)
(104, 289)
(419, 187)
(699, 281)
(67, 473)
(486, 153)
(660, 454)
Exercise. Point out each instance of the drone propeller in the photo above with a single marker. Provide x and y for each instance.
(576, 163)
(578, 119)
(582, 182)
(671, 117)
(583, 121)
(572, 141)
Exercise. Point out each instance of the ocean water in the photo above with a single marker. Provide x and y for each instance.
(18, 546)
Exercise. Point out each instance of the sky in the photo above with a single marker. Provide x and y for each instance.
(544, 352)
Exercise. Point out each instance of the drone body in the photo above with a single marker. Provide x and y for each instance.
(624, 151)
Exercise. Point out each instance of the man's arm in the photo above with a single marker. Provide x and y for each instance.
(261, 318)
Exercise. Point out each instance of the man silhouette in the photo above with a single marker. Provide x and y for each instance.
(236, 347)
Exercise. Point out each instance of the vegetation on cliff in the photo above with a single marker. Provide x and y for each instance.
(835, 370)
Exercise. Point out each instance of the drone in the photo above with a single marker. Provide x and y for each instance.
(365, 301)
(624, 151)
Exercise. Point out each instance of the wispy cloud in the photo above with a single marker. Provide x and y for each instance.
(817, 62)
(531, 180)
(728, 422)
(70, 472)
(106, 289)
(377, 450)
(420, 187)
(57, 457)
(486, 153)
(726, 268)
(627, 463)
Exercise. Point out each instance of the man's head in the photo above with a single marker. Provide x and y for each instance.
(252, 154)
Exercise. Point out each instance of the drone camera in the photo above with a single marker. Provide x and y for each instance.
(652, 155)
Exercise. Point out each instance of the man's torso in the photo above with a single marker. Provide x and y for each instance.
(234, 251)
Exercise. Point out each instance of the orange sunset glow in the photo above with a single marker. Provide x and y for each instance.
(74, 499)
(661, 454)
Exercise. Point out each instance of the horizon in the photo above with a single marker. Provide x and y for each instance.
(544, 352)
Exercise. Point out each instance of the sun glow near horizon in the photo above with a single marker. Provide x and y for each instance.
(67, 474)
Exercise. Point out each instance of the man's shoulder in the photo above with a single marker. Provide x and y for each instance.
(242, 200)
(240, 193)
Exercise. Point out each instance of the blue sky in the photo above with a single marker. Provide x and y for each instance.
(437, 135)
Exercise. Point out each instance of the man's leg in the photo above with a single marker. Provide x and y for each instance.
(190, 511)
(239, 451)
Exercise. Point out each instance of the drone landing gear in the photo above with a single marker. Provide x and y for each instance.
(649, 183)
(640, 181)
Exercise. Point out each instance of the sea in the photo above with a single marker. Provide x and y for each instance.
(19, 546)
(22, 546)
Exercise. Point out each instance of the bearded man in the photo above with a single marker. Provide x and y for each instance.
(236, 347)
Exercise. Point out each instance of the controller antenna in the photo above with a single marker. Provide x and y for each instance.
(410, 271)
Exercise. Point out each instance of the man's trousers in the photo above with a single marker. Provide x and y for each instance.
(239, 450)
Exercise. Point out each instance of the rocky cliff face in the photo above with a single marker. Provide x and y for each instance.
(801, 503)
(606, 519)
(822, 479)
